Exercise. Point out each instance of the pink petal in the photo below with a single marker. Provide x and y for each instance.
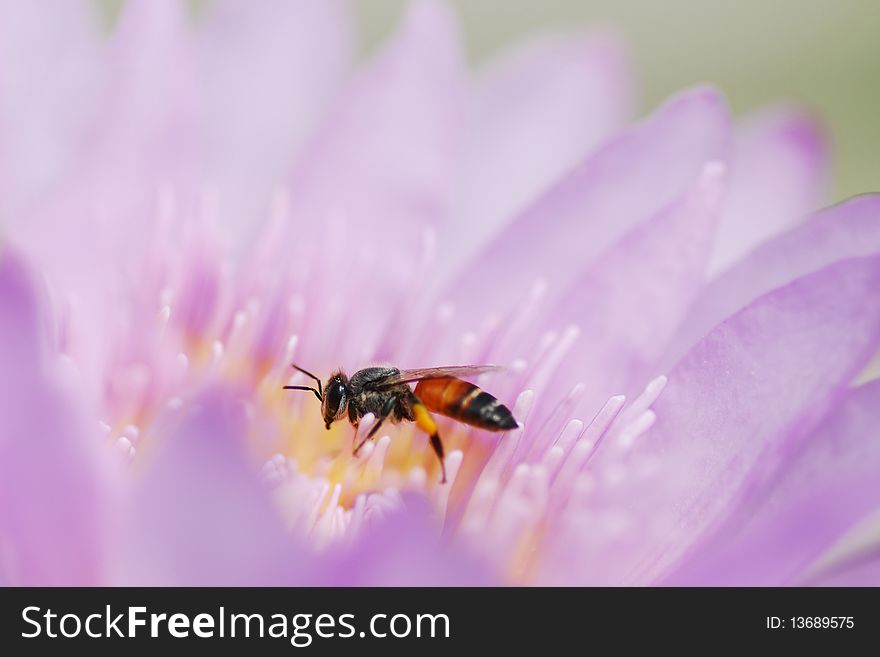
(843, 231)
(53, 483)
(770, 370)
(779, 173)
(625, 182)
(143, 137)
(820, 493)
(101, 215)
(147, 129)
(632, 298)
(860, 571)
(200, 517)
(25, 326)
(405, 549)
(538, 110)
(48, 79)
(732, 412)
(380, 170)
(385, 154)
(267, 71)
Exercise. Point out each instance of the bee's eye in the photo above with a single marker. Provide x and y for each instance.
(334, 397)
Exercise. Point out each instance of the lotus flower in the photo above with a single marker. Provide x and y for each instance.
(190, 205)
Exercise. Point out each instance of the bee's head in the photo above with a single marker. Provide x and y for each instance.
(335, 402)
(333, 396)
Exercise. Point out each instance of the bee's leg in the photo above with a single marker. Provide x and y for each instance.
(426, 423)
(387, 409)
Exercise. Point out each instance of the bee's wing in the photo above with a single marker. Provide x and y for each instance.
(457, 371)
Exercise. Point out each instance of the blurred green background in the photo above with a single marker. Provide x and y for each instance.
(824, 54)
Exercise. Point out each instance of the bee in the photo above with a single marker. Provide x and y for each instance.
(385, 392)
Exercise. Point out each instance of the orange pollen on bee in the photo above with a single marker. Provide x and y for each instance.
(424, 419)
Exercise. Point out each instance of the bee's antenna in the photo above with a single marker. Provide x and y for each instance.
(319, 393)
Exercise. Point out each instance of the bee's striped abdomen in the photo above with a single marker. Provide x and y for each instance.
(466, 403)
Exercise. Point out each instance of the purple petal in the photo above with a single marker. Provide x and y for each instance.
(844, 231)
(267, 69)
(818, 495)
(200, 517)
(778, 176)
(732, 411)
(405, 549)
(538, 110)
(53, 482)
(627, 181)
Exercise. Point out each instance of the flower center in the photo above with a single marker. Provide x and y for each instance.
(193, 325)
